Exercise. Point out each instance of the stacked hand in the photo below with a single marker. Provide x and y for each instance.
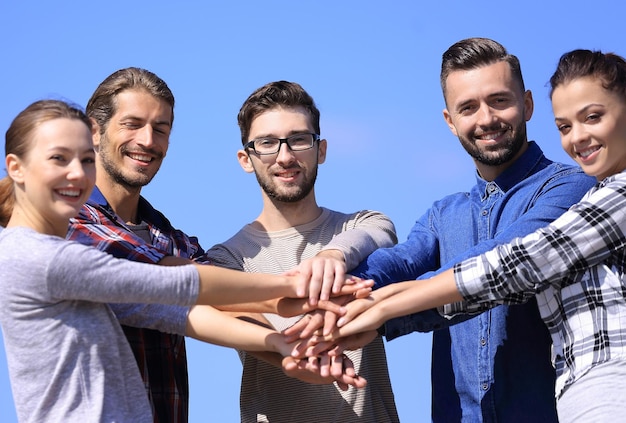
(318, 343)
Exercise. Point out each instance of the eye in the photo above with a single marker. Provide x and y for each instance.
(161, 129)
(57, 157)
(266, 142)
(563, 128)
(465, 110)
(592, 117)
(88, 160)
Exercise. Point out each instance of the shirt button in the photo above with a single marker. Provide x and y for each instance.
(483, 342)
(485, 386)
(484, 212)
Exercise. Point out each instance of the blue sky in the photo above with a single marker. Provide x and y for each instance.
(373, 69)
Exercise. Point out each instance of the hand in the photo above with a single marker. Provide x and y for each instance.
(316, 345)
(325, 274)
(351, 286)
(310, 371)
(315, 320)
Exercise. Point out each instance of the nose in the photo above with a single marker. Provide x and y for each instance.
(485, 115)
(577, 134)
(285, 155)
(145, 136)
(76, 170)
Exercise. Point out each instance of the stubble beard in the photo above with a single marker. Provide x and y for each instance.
(500, 154)
(140, 178)
(288, 195)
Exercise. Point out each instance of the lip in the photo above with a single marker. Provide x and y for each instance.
(588, 154)
(287, 175)
(491, 137)
(140, 158)
(70, 195)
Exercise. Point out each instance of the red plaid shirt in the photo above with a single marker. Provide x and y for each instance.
(155, 332)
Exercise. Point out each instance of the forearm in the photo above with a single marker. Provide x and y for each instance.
(416, 296)
(398, 299)
(267, 306)
(213, 326)
(219, 286)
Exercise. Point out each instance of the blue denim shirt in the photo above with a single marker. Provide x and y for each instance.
(494, 367)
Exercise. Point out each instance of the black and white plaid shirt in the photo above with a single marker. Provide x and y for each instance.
(575, 267)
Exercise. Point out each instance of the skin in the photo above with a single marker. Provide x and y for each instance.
(287, 181)
(592, 124)
(131, 149)
(487, 110)
(55, 178)
(287, 178)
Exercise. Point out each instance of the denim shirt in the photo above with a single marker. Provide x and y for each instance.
(493, 367)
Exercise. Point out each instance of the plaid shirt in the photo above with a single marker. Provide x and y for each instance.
(155, 332)
(576, 269)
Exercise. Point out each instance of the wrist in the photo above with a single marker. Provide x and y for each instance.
(277, 344)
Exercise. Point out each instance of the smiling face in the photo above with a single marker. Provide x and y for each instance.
(487, 110)
(55, 177)
(286, 176)
(132, 148)
(592, 124)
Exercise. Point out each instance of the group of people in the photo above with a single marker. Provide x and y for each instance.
(520, 279)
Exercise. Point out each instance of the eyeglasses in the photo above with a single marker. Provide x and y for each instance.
(297, 142)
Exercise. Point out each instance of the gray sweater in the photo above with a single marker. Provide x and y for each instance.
(67, 356)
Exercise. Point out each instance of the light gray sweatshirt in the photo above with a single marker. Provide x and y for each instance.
(67, 356)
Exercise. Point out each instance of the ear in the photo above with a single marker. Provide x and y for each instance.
(95, 133)
(529, 105)
(321, 151)
(14, 168)
(448, 119)
(244, 161)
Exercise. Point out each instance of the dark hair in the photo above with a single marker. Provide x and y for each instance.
(102, 104)
(270, 96)
(473, 53)
(609, 68)
(19, 136)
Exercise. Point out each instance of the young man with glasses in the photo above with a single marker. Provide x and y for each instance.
(280, 130)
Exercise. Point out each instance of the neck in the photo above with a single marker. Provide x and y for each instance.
(23, 218)
(123, 200)
(277, 215)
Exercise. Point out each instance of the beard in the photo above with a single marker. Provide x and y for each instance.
(136, 178)
(498, 154)
(291, 193)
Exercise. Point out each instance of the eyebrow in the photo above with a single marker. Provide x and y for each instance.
(290, 133)
(138, 119)
(582, 110)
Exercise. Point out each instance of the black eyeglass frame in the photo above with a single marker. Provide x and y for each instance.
(250, 144)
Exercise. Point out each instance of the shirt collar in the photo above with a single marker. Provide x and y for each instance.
(146, 211)
(518, 171)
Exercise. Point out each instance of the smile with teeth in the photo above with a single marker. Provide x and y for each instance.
(588, 152)
(69, 192)
(140, 157)
(287, 175)
(490, 136)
